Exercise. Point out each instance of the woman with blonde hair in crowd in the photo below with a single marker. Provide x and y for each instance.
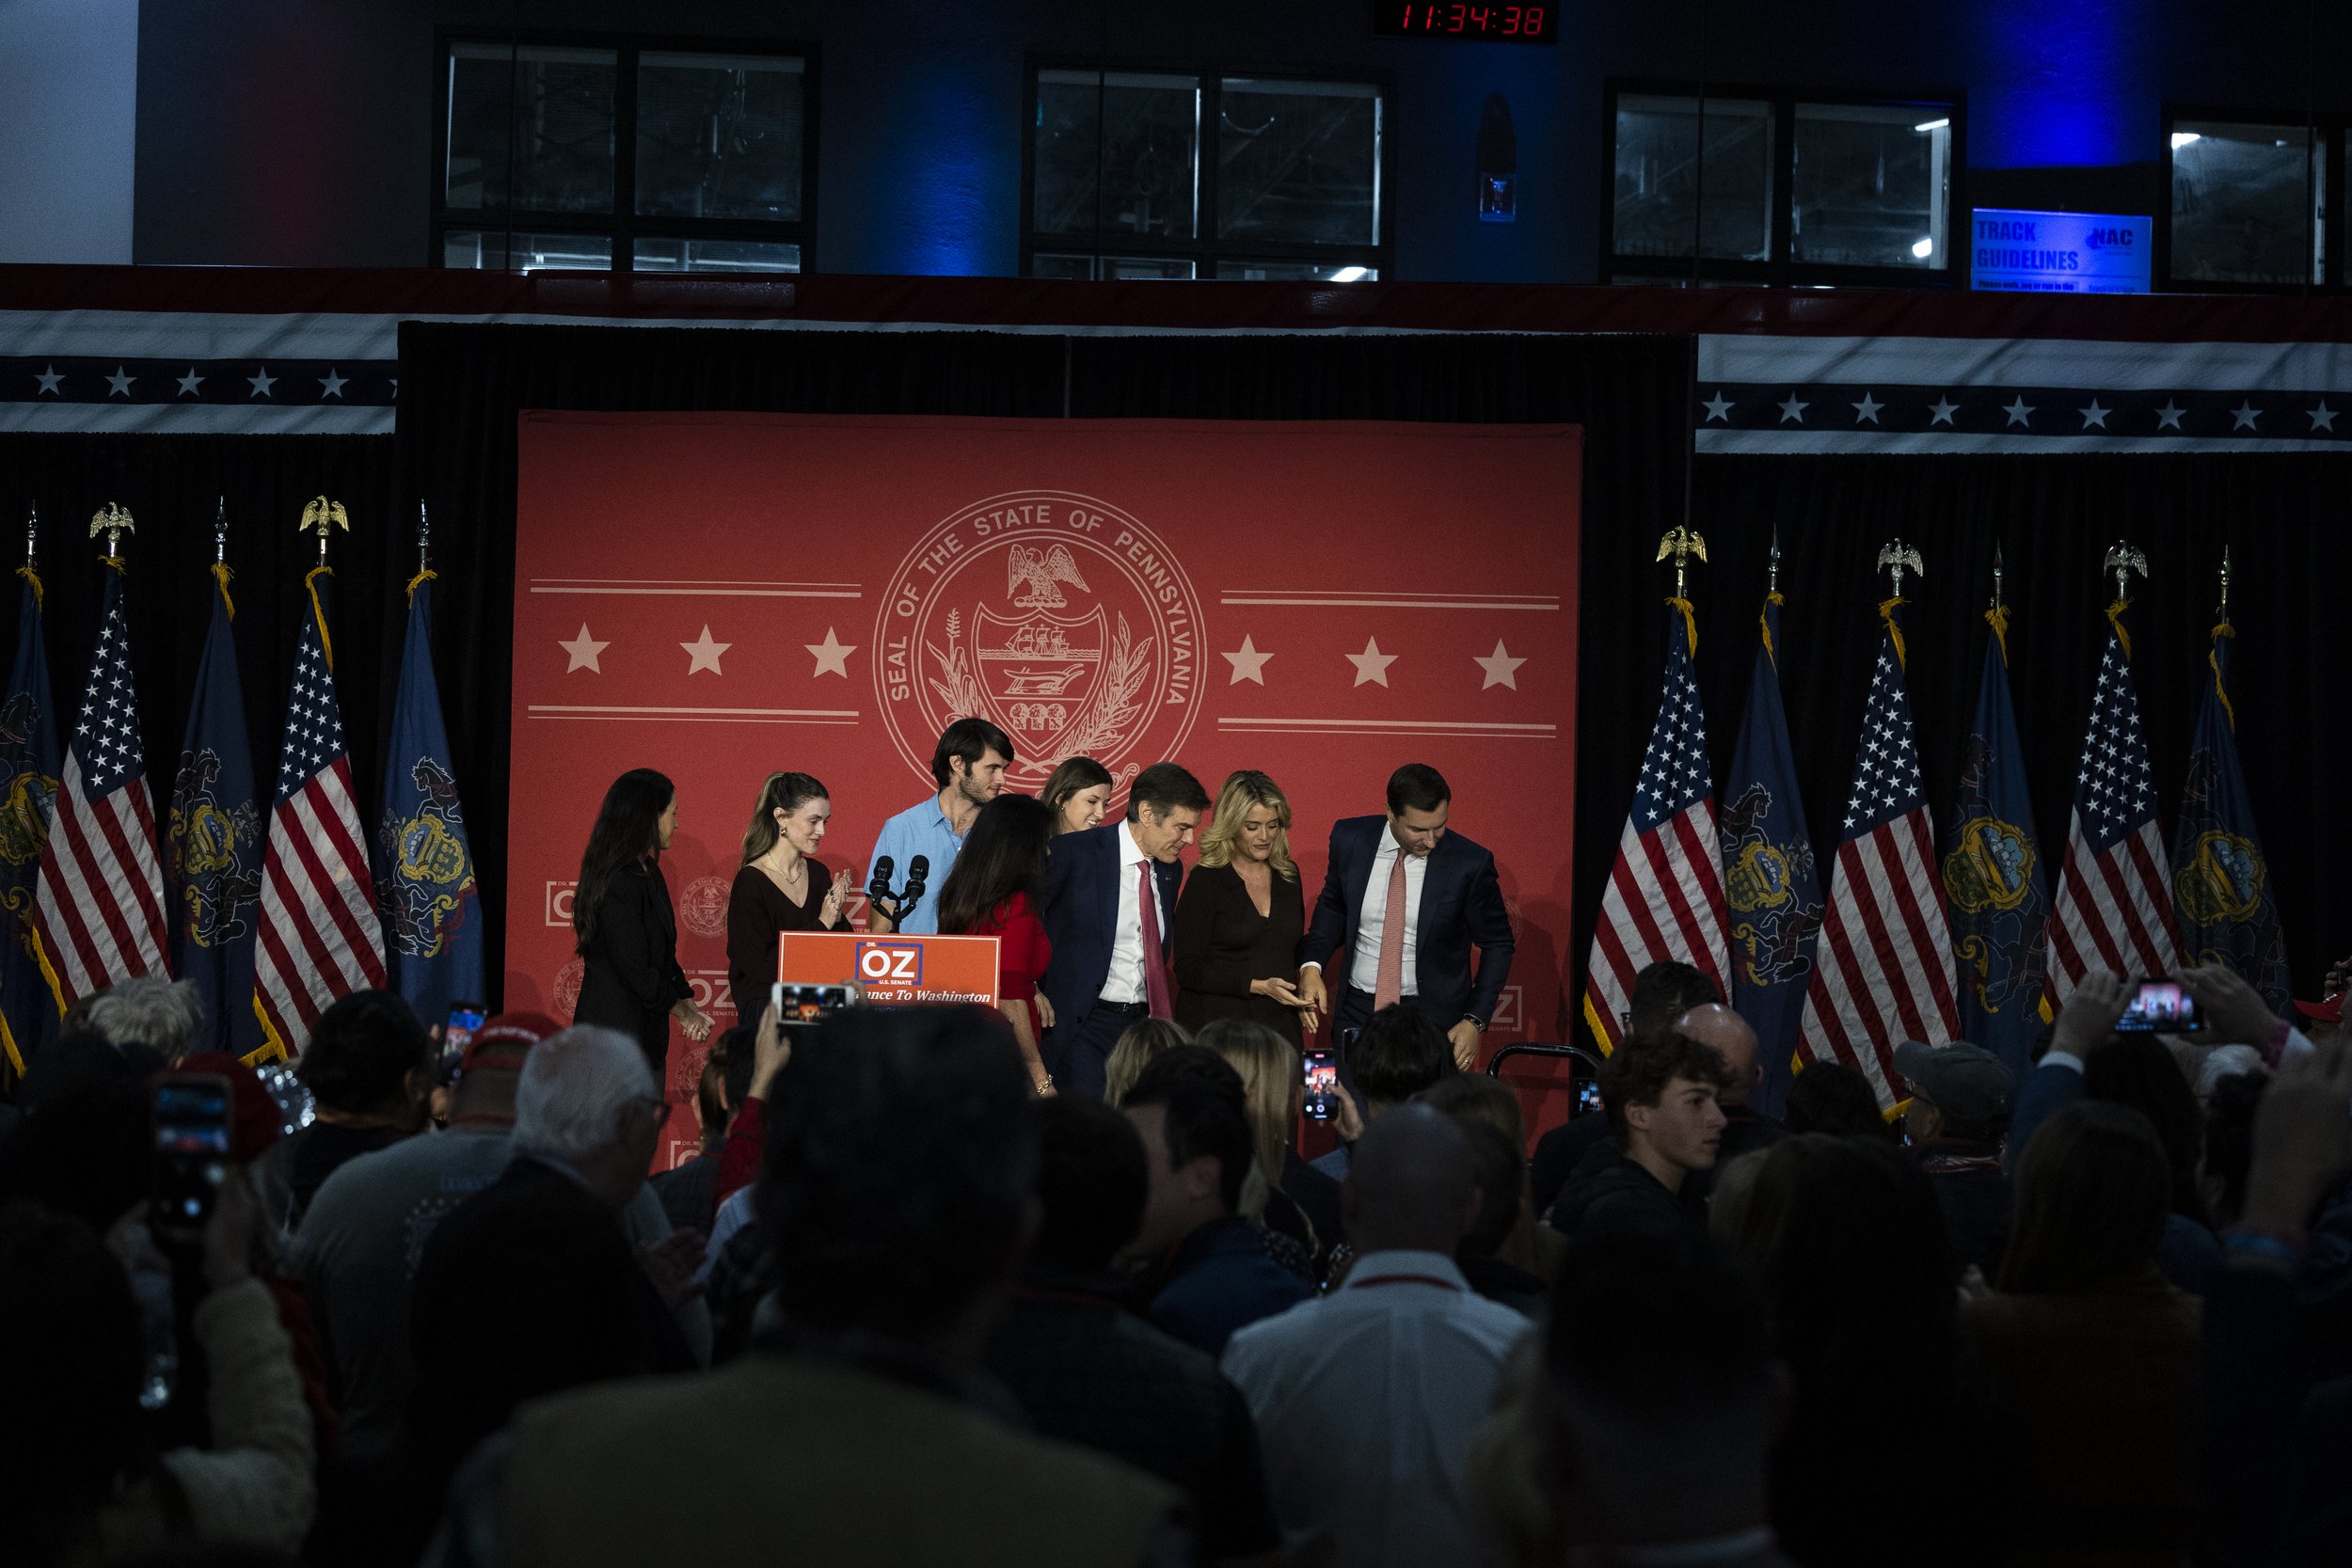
(1241, 915)
(1080, 794)
(1145, 1039)
(1285, 1193)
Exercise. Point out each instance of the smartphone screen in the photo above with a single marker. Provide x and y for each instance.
(464, 1018)
(1321, 1073)
(192, 1121)
(2160, 1007)
(1587, 1097)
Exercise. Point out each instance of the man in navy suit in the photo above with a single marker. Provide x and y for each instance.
(1403, 901)
(1109, 901)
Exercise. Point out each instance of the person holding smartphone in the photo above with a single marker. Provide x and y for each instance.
(1241, 915)
(781, 885)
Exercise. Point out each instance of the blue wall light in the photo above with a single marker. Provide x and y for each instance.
(2062, 84)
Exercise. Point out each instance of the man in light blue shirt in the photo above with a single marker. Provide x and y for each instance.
(969, 764)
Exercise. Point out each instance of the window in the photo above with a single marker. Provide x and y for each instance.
(588, 153)
(2249, 208)
(1778, 187)
(1143, 174)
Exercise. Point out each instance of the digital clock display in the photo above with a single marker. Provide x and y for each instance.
(1397, 19)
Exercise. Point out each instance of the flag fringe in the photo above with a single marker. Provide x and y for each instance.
(221, 574)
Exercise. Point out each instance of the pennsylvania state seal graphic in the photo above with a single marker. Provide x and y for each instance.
(211, 852)
(1057, 616)
(429, 873)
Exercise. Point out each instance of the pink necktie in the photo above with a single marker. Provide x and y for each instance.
(1388, 986)
(1155, 962)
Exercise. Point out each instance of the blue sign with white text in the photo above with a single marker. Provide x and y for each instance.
(2064, 253)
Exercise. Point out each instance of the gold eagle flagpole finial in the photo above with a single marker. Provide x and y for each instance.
(320, 515)
(1682, 542)
(2123, 559)
(1898, 558)
(114, 522)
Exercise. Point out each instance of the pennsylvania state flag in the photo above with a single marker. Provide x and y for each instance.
(2220, 881)
(425, 872)
(1772, 889)
(29, 763)
(212, 845)
(1994, 884)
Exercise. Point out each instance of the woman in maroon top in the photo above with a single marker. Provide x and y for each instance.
(782, 885)
(990, 893)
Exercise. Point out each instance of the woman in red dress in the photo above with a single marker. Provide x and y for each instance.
(989, 892)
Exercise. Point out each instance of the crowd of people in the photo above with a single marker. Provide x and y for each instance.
(951, 1284)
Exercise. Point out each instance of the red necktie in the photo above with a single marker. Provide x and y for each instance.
(1155, 963)
(1387, 984)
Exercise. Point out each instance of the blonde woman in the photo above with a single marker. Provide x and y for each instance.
(1143, 1039)
(1241, 915)
(1284, 1193)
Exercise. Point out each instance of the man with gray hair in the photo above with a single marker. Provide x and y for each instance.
(530, 1287)
(1367, 1399)
(164, 1015)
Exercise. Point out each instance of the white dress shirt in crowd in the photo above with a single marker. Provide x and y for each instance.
(1125, 981)
(1363, 969)
(1366, 1402)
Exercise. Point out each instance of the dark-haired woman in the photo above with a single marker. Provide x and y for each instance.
(1079, 793)
(990, 893)
(781, 885)
(627, 928)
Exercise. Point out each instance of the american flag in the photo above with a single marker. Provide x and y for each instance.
(1665, 895)
(102, 884)
(319, 937)
(2113, 910)
(1882, 970)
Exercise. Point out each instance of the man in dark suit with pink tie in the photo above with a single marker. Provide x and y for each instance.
(1404, 902)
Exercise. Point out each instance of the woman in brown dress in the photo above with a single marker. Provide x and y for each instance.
(782, 886)
(1241, 915)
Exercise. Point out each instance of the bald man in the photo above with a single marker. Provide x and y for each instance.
(1561, 1152)
(1356, 1393)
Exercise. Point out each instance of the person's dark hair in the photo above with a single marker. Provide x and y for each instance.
(86, 1144)
(1479, 1097)
(1074, 774)
(1399, 1053)
(1417, 786)
(1664, 991)
(1164, 786)
(1091, 1181)
(1833, 1099)
(1002, 855)
(734, 1057)
(2139, 1071)
(1205, 1110)
(627, 835)
(782, 792)
(362, 1052)
(75, 1427)
(2092, 1190)
(901, 1160)
(1500, 1166)
(971, 739)
(1638, 1071)
(2230, 1138)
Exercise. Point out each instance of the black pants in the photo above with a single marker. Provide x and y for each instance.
(1076, 1053)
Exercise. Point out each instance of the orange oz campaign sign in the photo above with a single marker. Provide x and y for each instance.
(895, 971)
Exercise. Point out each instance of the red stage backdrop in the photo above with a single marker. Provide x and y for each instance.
(722, 595)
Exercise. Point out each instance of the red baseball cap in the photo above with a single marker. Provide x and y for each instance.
(499, 1045)
(255, 1123)
(2329, 1010)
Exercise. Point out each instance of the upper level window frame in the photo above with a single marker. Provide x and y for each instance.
(1204, 248)
(2330, 131)
(623, 225)
(1780, 269)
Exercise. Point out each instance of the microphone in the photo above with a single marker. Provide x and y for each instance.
(918, 876)
(878, 885)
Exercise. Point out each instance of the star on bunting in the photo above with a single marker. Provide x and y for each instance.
(1248, 664)
(703, 653)
(1371, 665)
(49, 377)
(1502, 669)
(1792, 409)
(191, 384)
(261, 381)
(2020, 412)
(832, 656)
(1718, 406)
(331, 384)
(583, 650)
(120, 382)
(1868, 410)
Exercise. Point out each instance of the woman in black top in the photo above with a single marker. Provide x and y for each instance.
(1240, 917)
(628, 931)
(782, 886)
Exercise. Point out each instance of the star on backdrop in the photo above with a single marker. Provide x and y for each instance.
(1371, 665)
(703, 653)
(1502, 669)
(583, 650)
(833, 655)
(1248, 664)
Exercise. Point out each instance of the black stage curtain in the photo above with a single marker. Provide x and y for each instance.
(2281, 516)
(172, 485)
(462, 388)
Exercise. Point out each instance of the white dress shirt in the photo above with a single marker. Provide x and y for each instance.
(1363, 971)
(1366, 1402)
(1124, 983)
